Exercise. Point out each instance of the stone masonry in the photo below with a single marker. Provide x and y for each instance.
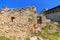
(19, 22)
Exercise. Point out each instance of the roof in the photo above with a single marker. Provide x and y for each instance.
(53, 8)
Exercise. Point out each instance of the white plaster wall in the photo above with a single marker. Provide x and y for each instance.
(53, 16)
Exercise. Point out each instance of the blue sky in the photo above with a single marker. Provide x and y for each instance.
(39, 4)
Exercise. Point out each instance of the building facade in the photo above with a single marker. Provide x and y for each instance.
(53, 14)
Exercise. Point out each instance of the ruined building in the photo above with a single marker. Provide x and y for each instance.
(19, 22)
(26, 15)
(24, 22)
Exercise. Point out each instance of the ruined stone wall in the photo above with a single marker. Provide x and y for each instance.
(20, 15)
(17, 22)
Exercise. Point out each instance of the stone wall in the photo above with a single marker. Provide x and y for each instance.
(18, 22)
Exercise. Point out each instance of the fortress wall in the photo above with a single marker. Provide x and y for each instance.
(14, 22)
(19, 22)
(19, 15)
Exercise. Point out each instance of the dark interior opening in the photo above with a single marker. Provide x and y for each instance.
(39, 20)
(12, 18)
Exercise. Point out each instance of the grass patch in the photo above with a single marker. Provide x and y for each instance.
(51, 36)
(4, 38)
(27, 38)
(54, 35)
(45, 29)
(38, 33)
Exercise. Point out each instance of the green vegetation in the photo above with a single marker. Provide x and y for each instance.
(38, 38)
(27, 38)
(38, 33)
(45, 29)
(51, 35)
(4, 38)
(54, 35)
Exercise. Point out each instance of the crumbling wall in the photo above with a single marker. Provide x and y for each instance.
(17, 22)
